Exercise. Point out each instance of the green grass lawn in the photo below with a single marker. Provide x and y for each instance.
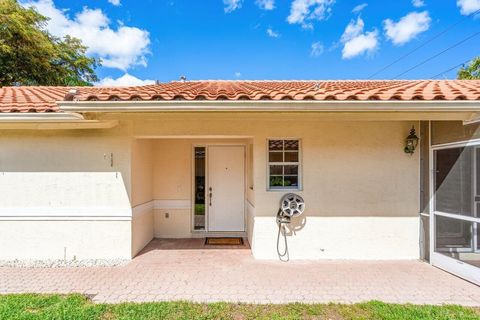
(77, 307)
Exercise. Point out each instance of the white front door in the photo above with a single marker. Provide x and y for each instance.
(226, 188)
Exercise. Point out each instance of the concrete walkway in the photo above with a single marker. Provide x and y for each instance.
(185, 270)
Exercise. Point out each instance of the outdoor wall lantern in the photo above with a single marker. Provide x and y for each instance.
(411, 142)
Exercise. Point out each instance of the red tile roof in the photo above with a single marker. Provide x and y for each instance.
(31, 99)
(45, 99)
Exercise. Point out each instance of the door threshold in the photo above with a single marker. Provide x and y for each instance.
(204, 234)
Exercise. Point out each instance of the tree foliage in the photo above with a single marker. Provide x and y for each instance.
(29, 55)
(470, 71)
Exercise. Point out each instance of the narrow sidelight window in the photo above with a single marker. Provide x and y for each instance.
(199, 209)
(284, 164)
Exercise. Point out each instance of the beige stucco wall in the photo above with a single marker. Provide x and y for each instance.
(173, 165)
(453, 131)
(80, 240)
(349, 168)
(356, 177)
(172, 169)
(61, 211)
(142, 171)
(358, 238)
(142, 227)
(361, 189)
(172, 223)
(67, 151)
(172, 183)
(142, 162)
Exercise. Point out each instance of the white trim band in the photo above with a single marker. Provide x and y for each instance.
(266, 105)
(161, 204)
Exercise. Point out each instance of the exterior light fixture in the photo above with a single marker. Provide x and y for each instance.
(411, 142)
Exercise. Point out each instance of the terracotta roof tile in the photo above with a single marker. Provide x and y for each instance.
(45, 99)
(31, 99)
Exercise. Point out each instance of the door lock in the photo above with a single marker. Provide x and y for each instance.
(210, 196)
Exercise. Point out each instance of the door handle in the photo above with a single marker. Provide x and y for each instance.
(210, 196)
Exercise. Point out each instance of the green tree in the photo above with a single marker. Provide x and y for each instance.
(470, 71)
(29, 55)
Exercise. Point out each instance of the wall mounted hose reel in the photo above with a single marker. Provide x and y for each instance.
(291, 205)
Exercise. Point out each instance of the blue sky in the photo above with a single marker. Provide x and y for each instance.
(266, 39)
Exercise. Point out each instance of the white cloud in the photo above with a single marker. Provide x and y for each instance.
(266, 4)
(407, 28)
(359, 8)
(317, 49)
(232, 5)
(272, 33)
(303, 12)
(353, 29)
(238, 74)
(115, 2)
(363, 43)
(356, 41)
(418, 3)
(123, 81)
(468, 6)
(119, 48)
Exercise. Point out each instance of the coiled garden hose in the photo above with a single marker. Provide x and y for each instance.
(281, 221)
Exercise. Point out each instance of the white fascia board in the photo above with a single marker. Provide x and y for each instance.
(35, 117)
(269, 106)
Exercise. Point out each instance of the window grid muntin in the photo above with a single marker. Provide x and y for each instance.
(295, 148)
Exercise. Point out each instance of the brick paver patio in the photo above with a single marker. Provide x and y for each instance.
(186, 270)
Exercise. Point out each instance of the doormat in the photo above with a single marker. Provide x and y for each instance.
(237, 241)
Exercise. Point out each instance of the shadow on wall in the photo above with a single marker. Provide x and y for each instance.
(295, 225)
(453, 131)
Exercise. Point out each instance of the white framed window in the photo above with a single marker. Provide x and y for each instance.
(284, 164)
